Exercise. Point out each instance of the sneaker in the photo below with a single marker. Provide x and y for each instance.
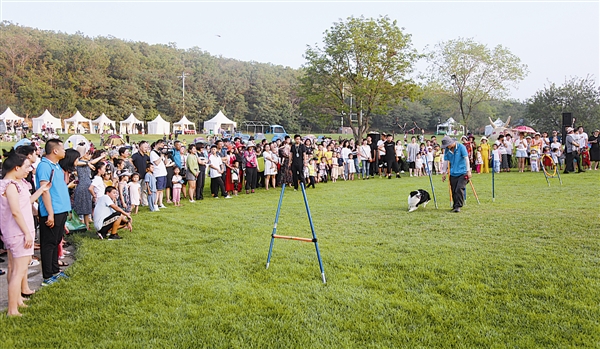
(34, 263)
(155, 209)
(114, 237)
(192, 201)
(456, 210)
(228, 197)
(162, 206)
(61, 275)
(99, 235)
(49, 281)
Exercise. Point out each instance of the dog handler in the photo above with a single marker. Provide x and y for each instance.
(456, 160)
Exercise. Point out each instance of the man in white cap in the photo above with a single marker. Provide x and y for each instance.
(457, 166)
(571, 149)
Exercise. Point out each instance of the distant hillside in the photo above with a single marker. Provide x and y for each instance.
(62, 73)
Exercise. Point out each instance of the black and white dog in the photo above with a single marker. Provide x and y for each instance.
(417, 198)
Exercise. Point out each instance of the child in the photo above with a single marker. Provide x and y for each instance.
(150, 189)
(323, 170)
(235, 176)
(479, 160)
(334, 167)
(135, 191)
(437, 159)
(496, 158)
(429, 159)
(557, 151)
(177, 185)
(418, 164)
(312, 173)
(556, 157)
(107, 179)
(124, 200)
(533, 159)
(351, 167)
(585, 159)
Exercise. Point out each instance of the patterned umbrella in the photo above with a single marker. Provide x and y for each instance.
(525, 129)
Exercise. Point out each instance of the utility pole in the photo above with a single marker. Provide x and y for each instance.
(183, 75)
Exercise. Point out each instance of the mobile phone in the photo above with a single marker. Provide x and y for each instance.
(51, 176)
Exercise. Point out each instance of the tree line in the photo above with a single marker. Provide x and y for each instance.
(371, 91)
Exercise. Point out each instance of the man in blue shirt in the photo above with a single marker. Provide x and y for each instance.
(457, 165)
(55, 204)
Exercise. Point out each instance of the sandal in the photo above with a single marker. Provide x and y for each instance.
(63, 264)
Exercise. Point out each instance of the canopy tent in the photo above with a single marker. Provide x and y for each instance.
(74, 141)
(114, 140)
(129, 125)
(219, 122)
(183, 125)
(489, 129)
(77, 119)
(101, 121)
(159, 126)
(450, 127)
(8, 115)
(46, 119)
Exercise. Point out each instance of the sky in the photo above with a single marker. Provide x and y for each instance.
(556, 40)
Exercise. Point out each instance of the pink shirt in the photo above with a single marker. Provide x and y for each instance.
(8, 224)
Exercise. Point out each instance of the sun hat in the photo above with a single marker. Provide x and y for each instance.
(484, 138)
(569, 129)
(446, 141)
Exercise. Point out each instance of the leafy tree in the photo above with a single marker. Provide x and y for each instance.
(368, 59)
(471, 73)
(579, 96)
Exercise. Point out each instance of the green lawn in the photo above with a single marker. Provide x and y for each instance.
(523, 271)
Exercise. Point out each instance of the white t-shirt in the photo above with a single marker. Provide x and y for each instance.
(381, 147)
(102, 210)
(99, 186)
(160, 170)
(214, 160)
(583, 140)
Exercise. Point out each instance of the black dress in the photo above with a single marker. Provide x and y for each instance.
(595, 149)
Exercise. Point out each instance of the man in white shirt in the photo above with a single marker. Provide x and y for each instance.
(108, 217)
(216, 170)
(160, 170)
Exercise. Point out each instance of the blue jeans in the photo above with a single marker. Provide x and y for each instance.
(365, 168)
(151, 200)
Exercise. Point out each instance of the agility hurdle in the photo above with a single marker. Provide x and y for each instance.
(312, 228)
(554, 167)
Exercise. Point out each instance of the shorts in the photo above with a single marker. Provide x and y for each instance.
(521, 153)
(190, 176)
(161, 183)
(108, 223)
(411, 164)
(16, 246)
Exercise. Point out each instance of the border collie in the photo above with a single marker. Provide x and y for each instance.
(417, 198)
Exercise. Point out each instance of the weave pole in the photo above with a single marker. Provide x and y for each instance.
(493, 184)
(430, 181)
(312, 228)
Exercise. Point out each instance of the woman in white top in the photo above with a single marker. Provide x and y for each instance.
(97, 187)
(270, 166)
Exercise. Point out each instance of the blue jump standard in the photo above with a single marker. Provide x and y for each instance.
(312, 228)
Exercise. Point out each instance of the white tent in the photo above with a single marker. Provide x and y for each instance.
(46, 119)
(159, 126)
(489, 129)
(77, 119)
(101, 121)
(184, 125)
(450, 127)
(8, 115)
(129, 125)
(220, 121)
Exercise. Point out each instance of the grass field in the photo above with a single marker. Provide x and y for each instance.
(523, 271)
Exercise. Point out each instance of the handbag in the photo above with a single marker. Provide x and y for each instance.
(74, 223)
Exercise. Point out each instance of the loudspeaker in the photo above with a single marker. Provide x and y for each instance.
(567, 121)
(375, 136)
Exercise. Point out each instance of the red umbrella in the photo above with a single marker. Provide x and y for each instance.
(525, 129)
